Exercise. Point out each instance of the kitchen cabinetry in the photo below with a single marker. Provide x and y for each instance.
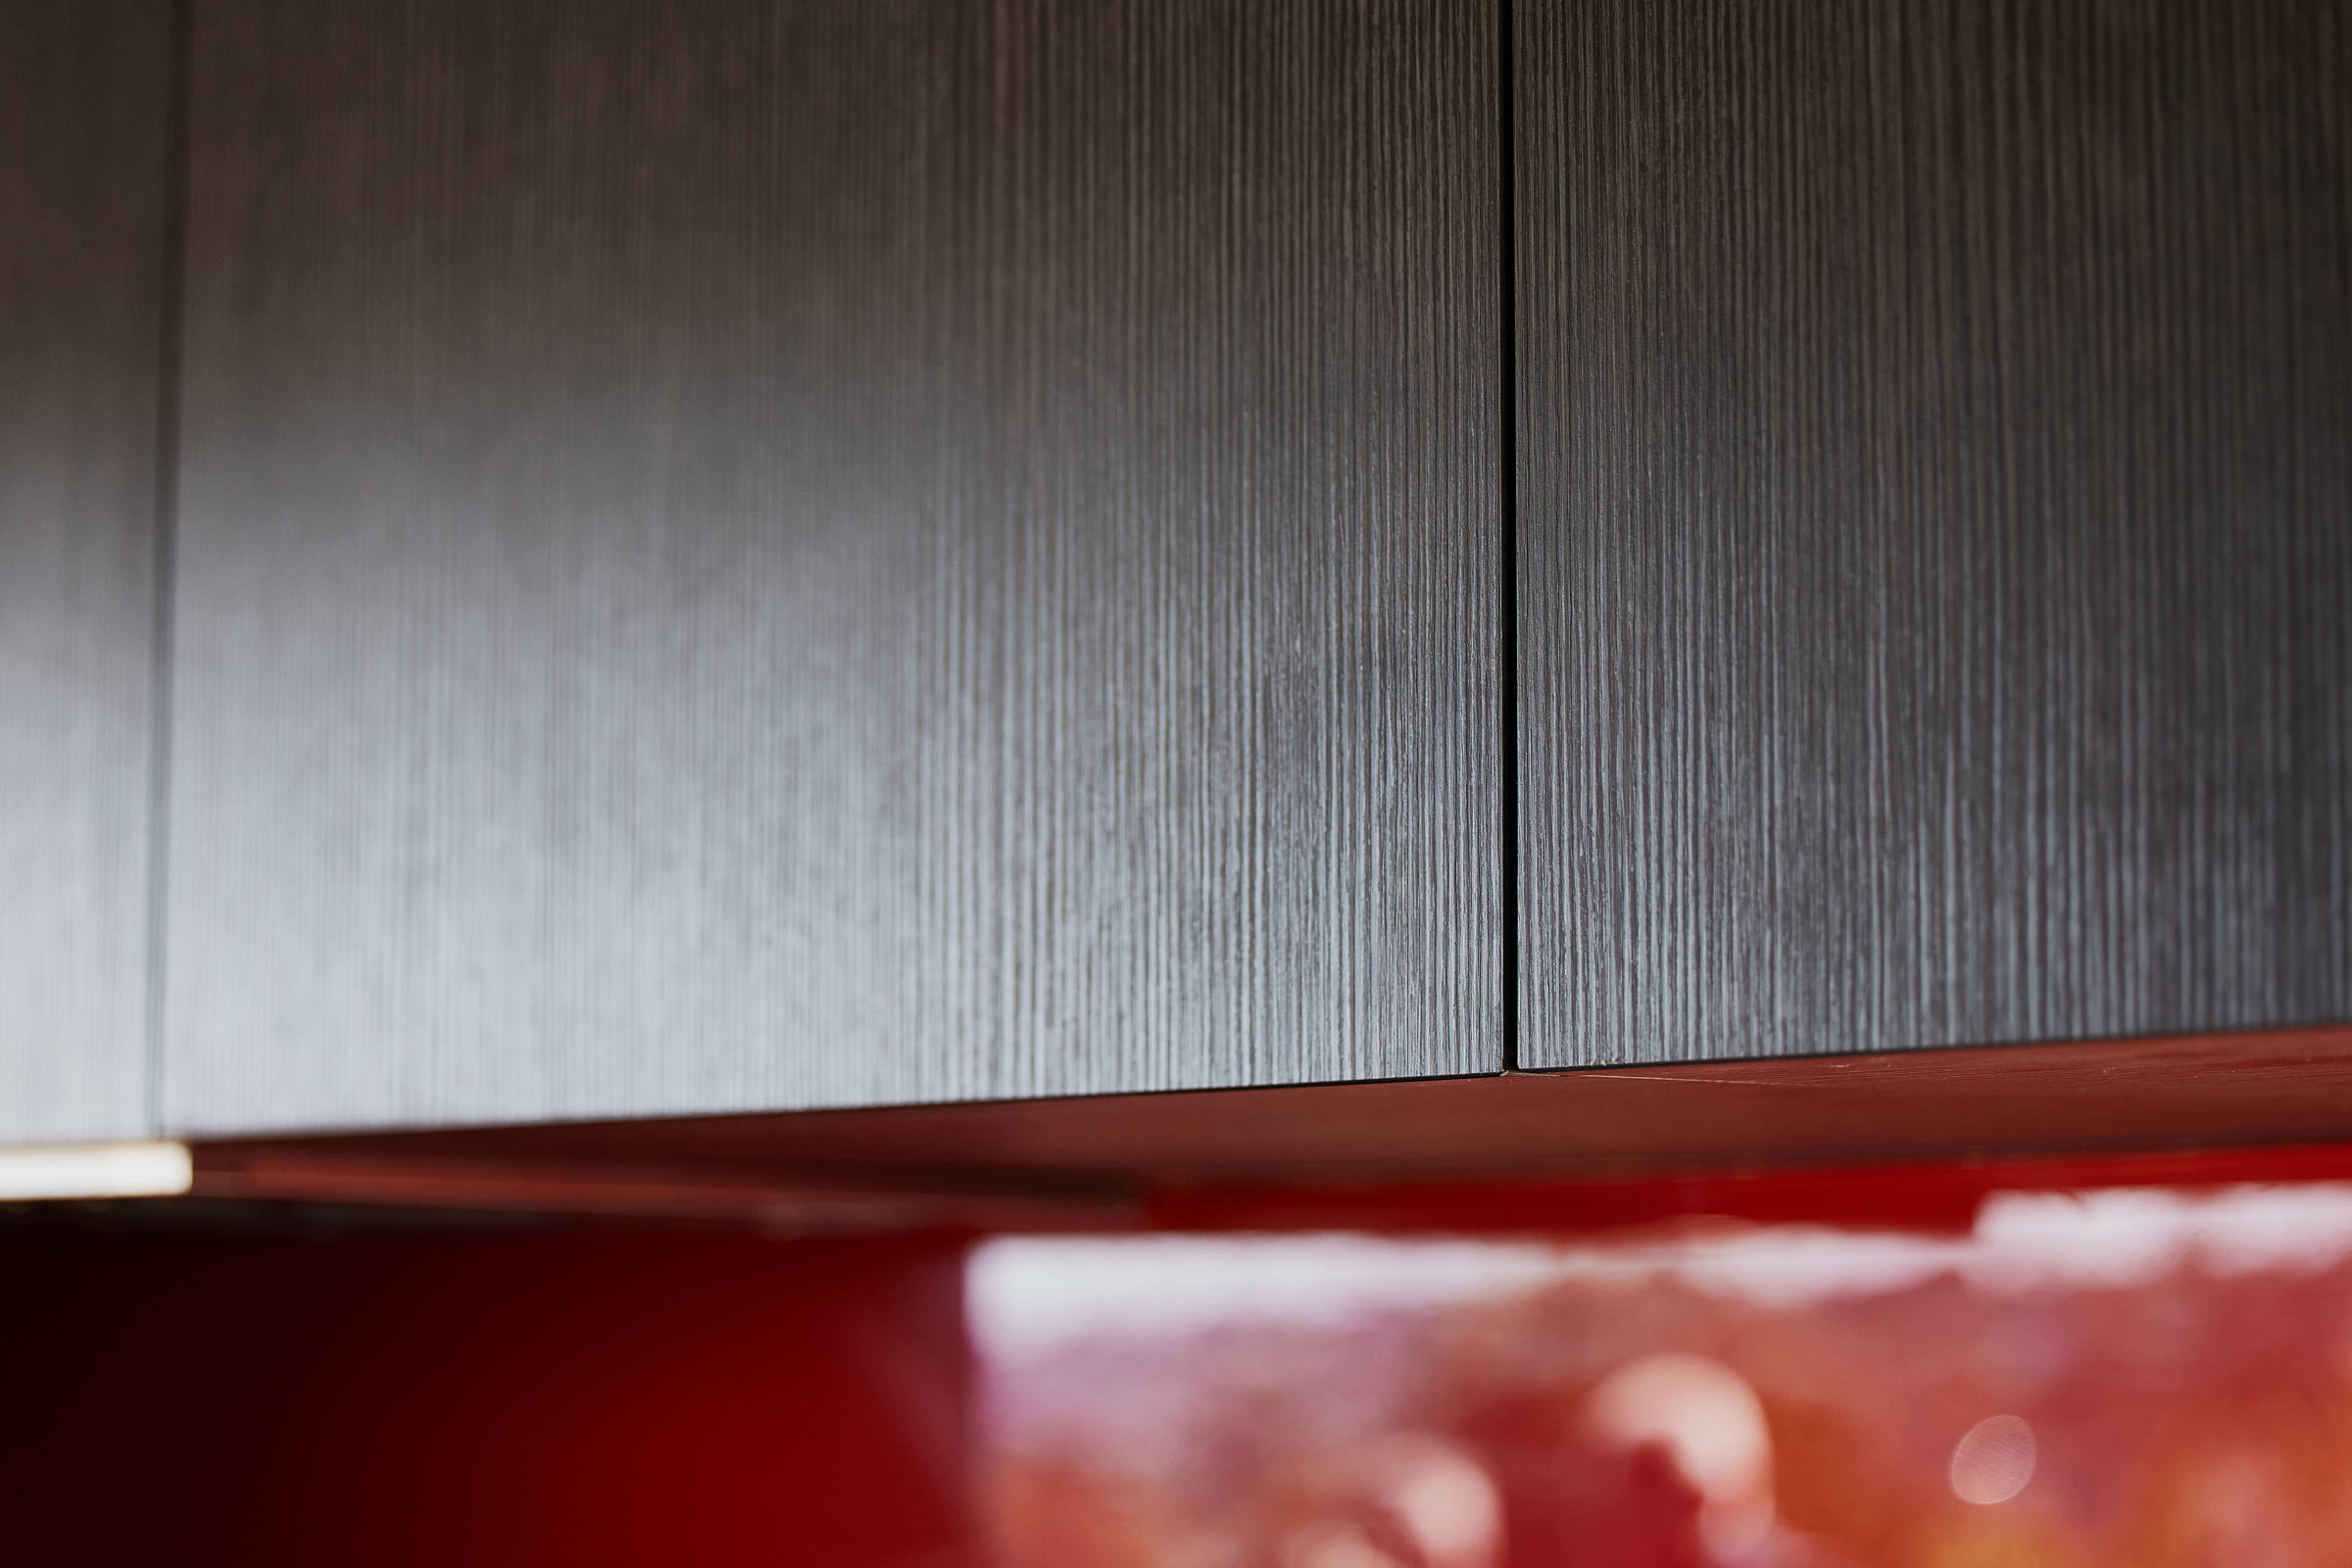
(1936, 522)
(85, 110)
(744, 555)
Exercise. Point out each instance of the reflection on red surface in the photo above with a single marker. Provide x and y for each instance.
(578, 1399)
(2132, 1377)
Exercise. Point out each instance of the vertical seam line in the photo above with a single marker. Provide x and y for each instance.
(1508, 635)
(173, 287)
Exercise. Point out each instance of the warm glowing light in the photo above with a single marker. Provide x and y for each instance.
(1702, 1414)
(1336, 1546)
(1026, 1294)
(95, 1170)
(1444, 1501)
(1711, 1426)
(1994, 1461)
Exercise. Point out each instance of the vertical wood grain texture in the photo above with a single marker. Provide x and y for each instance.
(1937, 532)
(766, 552)
(83, 89)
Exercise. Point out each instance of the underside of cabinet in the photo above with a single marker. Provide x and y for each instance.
(1124, 1160)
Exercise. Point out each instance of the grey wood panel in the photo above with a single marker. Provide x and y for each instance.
(764, 555)
(1937, 521)
(83, 111)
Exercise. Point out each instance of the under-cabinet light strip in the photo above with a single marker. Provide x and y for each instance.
(95, 1170)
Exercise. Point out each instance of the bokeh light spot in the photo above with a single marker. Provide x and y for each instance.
(1994, 1461)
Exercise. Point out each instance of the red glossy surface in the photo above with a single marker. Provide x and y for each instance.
(2144, 1377)
(2067, 1363)
(513, 1399)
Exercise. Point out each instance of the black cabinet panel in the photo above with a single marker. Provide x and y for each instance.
(741, 554)
(1936, 539)
(84, 110)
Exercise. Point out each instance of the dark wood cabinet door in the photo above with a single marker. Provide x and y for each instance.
(773, 553)
(1935, 572)
(84, 105)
